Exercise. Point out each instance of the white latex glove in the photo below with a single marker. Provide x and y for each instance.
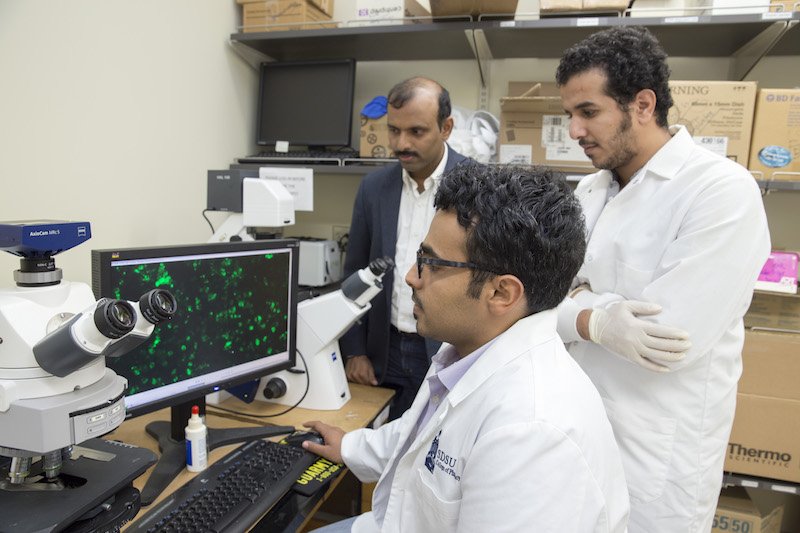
(646, 343)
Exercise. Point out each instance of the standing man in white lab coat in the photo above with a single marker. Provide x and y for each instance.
(676, 238)
(506, 434)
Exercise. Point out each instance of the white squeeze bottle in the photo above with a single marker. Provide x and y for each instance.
(196, 450)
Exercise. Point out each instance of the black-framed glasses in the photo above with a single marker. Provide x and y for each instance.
(435, 261)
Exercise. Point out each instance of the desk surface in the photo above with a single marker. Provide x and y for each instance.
(365, 404)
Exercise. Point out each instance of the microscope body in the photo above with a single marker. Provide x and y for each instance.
(320, 323)
(55, 390)
(35, 405)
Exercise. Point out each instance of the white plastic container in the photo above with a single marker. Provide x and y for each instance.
(196, 443)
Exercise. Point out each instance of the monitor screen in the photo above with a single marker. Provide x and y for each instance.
(306, 103)
(235, 319)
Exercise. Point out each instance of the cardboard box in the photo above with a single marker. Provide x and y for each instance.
(278, 15)
(326, 6)
(472, 8)
(774, 311)
(682, 8)
(605, 5)
(765, 439)
(374, 138)
(385, 12)
(718, 114)
(736, 512)
(559, 6)
(546, 88)
(771, 365)
(775, 146)
(535, 130)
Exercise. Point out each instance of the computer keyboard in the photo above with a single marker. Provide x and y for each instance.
(312, 156)
(231, 494)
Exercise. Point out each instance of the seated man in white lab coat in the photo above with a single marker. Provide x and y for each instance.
(506, 433)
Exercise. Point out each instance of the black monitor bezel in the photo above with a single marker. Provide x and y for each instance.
(309, 141)
(101, 286)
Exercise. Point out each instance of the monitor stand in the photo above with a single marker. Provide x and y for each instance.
(172, 444)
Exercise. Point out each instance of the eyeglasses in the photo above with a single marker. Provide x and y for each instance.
(434, 261)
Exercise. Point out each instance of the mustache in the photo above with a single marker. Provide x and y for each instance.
(401, 154)
(583, 143)
(416, 300)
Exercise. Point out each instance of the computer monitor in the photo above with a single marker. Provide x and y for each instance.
(306, 103)
(235, 321)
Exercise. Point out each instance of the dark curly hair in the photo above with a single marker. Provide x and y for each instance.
(631, 58)
(519, 220)
(405, 90)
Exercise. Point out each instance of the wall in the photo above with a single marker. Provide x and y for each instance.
(112, 111)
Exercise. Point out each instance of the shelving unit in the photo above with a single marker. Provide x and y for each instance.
(751, 482)
(746, 38)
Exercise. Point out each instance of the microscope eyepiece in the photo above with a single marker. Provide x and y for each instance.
(157, 305)
(381, 265)
(114, 318)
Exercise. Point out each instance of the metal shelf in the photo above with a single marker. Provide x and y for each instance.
(774, 185)
(681, 36)
(448, 40)
(346, 169)
(730, 479)
(710, 35)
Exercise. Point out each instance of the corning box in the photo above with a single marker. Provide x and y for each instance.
(718, 114)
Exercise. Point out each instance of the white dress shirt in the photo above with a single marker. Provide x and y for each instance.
(413, 221)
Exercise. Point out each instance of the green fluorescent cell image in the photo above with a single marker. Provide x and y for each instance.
(230, 310)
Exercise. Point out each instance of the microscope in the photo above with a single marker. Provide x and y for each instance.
(56, 394)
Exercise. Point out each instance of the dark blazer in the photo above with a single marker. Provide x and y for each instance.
(373, 233)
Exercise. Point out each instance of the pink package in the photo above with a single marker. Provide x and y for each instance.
(779, 273)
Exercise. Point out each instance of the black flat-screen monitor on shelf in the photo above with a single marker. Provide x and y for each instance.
(235, 321)
(306, 103)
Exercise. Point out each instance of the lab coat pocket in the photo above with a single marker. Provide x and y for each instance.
(433, 512)
(631, 281)
(646, 444)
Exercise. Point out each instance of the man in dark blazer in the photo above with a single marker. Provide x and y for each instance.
(391, 214)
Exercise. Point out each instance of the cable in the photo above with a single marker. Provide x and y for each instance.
(251, 415)
(207, 220)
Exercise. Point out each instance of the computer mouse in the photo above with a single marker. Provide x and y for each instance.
(298, 437)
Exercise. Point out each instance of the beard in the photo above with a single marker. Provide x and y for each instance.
(620, 147)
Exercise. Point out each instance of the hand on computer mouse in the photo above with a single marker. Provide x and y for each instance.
(299, 437)
(331, 448)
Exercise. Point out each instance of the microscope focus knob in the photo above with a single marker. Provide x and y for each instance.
(275, 388)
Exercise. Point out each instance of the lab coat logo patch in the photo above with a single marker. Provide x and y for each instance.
(431, 457)
(437, 458)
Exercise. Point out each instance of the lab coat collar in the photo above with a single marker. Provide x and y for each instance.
(515, 341)
(671, 157)
(518, 339)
